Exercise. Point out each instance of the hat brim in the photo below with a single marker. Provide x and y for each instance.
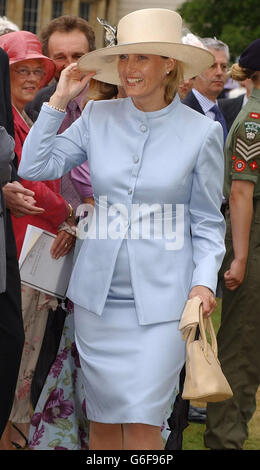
(104, 61)
(49, 66)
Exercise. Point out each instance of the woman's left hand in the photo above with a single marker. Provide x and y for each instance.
(62, 244)
(208, 299)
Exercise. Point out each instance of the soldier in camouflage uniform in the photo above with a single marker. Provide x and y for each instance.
(239, 333)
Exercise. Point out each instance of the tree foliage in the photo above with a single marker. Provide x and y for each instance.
(235, 22)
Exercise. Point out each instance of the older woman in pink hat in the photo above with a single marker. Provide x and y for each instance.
(29, 71)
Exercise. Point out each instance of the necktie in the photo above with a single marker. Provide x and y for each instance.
(220, 118)
(68, 190)
(72, 113)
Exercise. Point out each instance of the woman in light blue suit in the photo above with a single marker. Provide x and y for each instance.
(156, 237)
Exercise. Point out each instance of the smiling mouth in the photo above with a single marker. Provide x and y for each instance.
(133, 81)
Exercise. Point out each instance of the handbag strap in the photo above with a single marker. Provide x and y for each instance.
(205, 324)
(191, 335)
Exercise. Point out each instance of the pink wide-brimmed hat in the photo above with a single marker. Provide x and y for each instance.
(23, 45)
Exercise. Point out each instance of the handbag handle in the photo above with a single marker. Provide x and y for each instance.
(205, 324)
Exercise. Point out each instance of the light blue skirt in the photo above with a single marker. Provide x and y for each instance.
(130, 370)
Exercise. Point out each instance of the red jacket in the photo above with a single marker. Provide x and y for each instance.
(46, 194)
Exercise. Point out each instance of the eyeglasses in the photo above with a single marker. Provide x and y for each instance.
(25, 73)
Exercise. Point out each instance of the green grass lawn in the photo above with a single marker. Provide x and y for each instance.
(193, 434)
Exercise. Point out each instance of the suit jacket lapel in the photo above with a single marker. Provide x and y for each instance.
(192, 102)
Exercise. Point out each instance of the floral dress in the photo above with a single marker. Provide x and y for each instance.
(59, 421)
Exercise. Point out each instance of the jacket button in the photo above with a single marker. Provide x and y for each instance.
(130, 191)
(136, 159)
(143, 128)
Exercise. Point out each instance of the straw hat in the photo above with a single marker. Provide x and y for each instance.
(23, 45)
(149, 31)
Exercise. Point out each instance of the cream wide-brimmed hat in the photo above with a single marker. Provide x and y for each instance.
(149, 31)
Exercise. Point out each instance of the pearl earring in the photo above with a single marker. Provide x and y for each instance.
(168, 73)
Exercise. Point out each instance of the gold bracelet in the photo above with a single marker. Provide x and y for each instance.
(72, 229)
(71, 210)
(61, 110)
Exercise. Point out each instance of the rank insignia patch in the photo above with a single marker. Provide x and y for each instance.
(240, 165)
(252, 129)
(253, 165)
(247, 151)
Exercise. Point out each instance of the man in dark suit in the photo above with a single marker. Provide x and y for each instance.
(208, 85)
(203, 98)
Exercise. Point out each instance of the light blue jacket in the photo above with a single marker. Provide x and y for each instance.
(171, 163)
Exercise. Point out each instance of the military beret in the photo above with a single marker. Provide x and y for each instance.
(250, 58)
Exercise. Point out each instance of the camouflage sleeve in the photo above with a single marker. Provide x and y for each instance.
(246, 149)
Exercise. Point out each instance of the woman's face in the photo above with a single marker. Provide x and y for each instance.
(26, 77)
(142, 77)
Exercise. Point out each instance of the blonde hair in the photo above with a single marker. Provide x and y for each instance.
(241, 73)
(105, 91)
(101, 91)
(172, 81)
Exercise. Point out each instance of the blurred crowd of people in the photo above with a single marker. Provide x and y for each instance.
(30, 71)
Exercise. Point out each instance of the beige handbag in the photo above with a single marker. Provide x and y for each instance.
(204, 377)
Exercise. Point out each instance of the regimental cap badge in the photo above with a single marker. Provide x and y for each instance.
(110, 34)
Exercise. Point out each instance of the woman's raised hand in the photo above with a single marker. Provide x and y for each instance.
(71, 82)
